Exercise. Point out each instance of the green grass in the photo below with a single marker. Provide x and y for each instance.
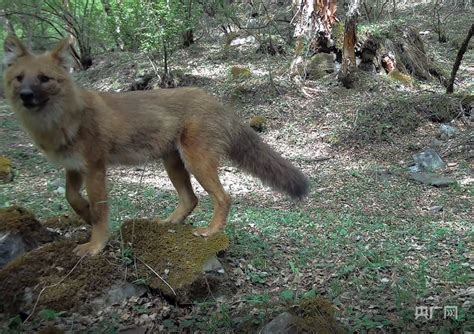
(368, 241)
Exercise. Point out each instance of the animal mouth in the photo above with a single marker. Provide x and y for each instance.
(35, 104)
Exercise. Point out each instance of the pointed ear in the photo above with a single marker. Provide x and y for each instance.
(14, 49)
(62, 53)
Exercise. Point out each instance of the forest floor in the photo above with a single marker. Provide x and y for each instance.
(368, 239)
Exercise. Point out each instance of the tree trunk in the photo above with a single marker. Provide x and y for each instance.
(7, 23)
(188, 37)
(457, 63)
(116, 29)
(314, 19)
(346, 74)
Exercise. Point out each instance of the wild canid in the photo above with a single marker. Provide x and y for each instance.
(87, 131)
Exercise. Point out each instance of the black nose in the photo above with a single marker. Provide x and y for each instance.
(26, 95)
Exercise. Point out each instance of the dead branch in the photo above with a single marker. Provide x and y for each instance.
(459, 57)
(157, 275)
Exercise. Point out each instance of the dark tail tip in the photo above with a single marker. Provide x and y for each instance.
(298, 187)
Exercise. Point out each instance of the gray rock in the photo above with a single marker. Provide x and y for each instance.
(56, 183)
(213, 265)
(285, 323)
(427, 160)
(243, 40)
(447, 131)
(436, 209)
(21, 233)
(11, 246)
(117, 293)
(431, 179)
(60, 190)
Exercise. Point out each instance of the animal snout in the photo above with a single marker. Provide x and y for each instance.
(27, 95)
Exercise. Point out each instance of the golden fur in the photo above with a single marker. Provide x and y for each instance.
(87, 131)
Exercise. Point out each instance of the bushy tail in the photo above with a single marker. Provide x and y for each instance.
(254, 156)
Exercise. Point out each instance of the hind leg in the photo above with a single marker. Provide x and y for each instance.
(204, 167)
(179, 176)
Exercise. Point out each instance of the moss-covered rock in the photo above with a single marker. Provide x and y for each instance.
(240, 72)
(6, 170)
(317, 316)
(174, 253)
(258, 123)
(403, 78)
(51, 267)
(318, 66)
(70, 227)
(20, 232)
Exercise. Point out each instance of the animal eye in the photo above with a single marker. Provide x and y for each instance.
(43, 78)
(19, 77)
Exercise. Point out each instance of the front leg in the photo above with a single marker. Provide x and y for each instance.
(73, 195)
(99, 210)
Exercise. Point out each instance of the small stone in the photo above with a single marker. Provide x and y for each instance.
(60, 190)
(165, 311)
(436, 209)
(134, 299)
(6, 171)
(258, 123)
(240, 72)
(285, 323)
(56, 183)
(427, 160)
(144, 318)
(213, 265)
(11, 246)
(242, 41)
(447, 131)
(119, 292)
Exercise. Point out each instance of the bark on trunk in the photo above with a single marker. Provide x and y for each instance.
(314, 19)
(346, 75)
(457, 63)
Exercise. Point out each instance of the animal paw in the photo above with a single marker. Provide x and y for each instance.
(89, 248)
(204, 231)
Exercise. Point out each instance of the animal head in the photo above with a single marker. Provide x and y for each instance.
(32, 82)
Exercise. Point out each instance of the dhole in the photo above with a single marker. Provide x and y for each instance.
(87, 131)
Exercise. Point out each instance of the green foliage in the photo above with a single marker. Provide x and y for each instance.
(287, 295)
(147, 25)
(42, 23)
(130, 25)
(48, 314)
